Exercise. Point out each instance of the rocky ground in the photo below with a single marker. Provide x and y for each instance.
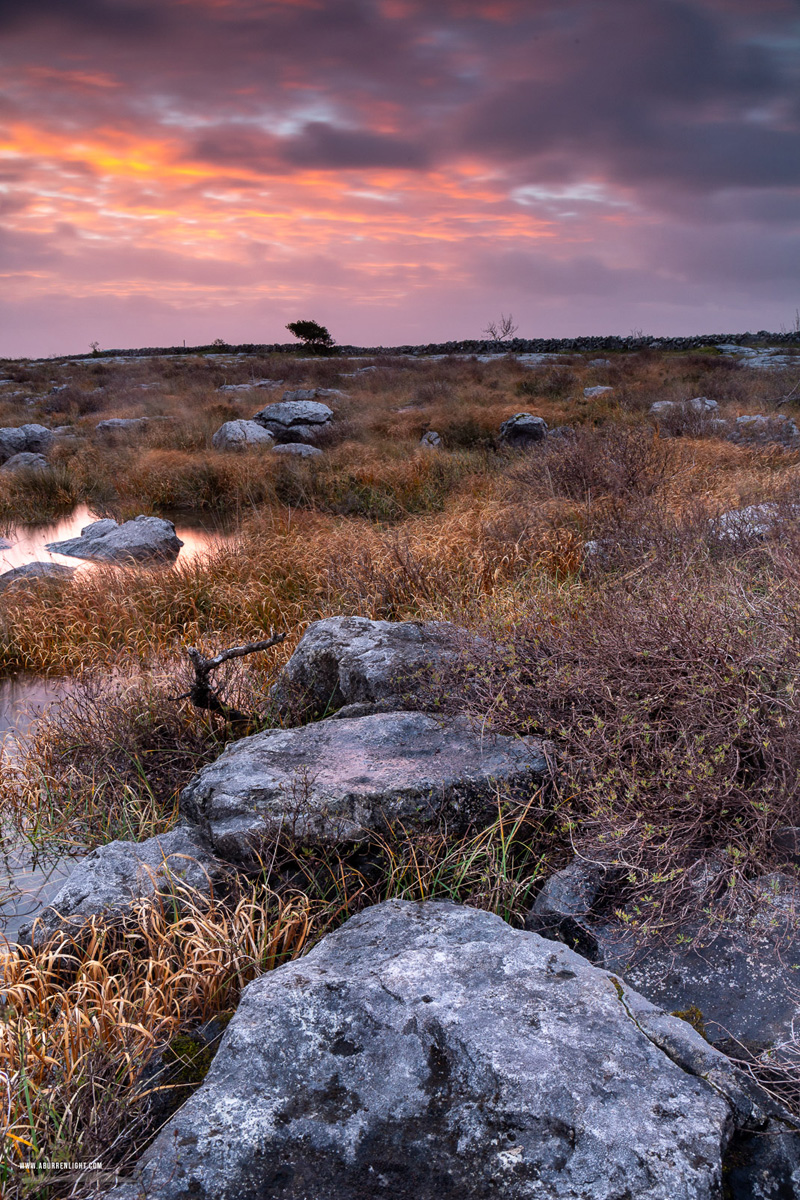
(483, 881)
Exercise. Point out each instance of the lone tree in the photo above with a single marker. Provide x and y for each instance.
(313, 336)
(502, 330)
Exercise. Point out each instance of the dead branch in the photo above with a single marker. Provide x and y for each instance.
(203, 695)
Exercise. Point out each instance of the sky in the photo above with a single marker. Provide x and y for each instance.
(399, 170)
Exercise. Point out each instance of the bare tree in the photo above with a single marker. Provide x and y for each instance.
(502, 330)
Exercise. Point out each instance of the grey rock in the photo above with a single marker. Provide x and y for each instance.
(112, 877)
(718, 426)
(740, 973)
(599, 362)
(297, 450)
(238, 435)
(429, 1050)
(141, 540)
(431, 439)
(763, 430)
(755, 521)
(33, 438)
(36, 572)
(114, 425)
(563, 909)
(294, 420)
(354, 660)
(299, 394)
(337, 781)
(250, 386)
(26, 460)
(599, 390)
(523, 429)
(702, 404)
(699, 405)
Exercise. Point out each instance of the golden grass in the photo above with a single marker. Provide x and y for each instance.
(81, 1017)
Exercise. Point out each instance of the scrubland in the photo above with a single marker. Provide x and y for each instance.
(661, 668)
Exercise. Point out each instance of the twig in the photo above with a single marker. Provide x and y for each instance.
(201, 693)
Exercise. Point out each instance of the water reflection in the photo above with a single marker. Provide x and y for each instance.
(27, 542)
(28, 880)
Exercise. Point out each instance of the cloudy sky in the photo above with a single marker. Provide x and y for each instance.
(400, 170)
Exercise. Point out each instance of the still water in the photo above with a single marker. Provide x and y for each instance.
(28, 881)
(26, 543)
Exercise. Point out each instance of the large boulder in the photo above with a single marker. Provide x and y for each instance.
(238, 435)
(33, 439)
(736, 973)
(36, 572)
(113, 877)
(354, 660)
(523, 429)
(338, 781)
(26, 460)
(295, 420)
(141, 540)
(429, 1050)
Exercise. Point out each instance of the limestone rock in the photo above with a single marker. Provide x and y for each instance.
(114, 425)
(295, 420)
(698, 405)
(26, 460)
(113, 876)
(297, 450)
(428, 1050)
(739, 974)
(36, 572)
(354, 660)
(336, 781)
(523, 429)
(754, 522)
(238, 435)
(32, 439)
(141, 540)
(430, 439)
(599, 390)
(563, 908)
(766, 430)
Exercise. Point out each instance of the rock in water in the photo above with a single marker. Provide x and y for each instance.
(36, 572)
(237, 435)
(113, 876)
(425, 1051)
(354, 660)
(335, 781)
(141, 540)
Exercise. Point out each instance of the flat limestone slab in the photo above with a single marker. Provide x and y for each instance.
(336, 780)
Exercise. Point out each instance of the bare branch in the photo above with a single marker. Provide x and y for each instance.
(201, 693)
